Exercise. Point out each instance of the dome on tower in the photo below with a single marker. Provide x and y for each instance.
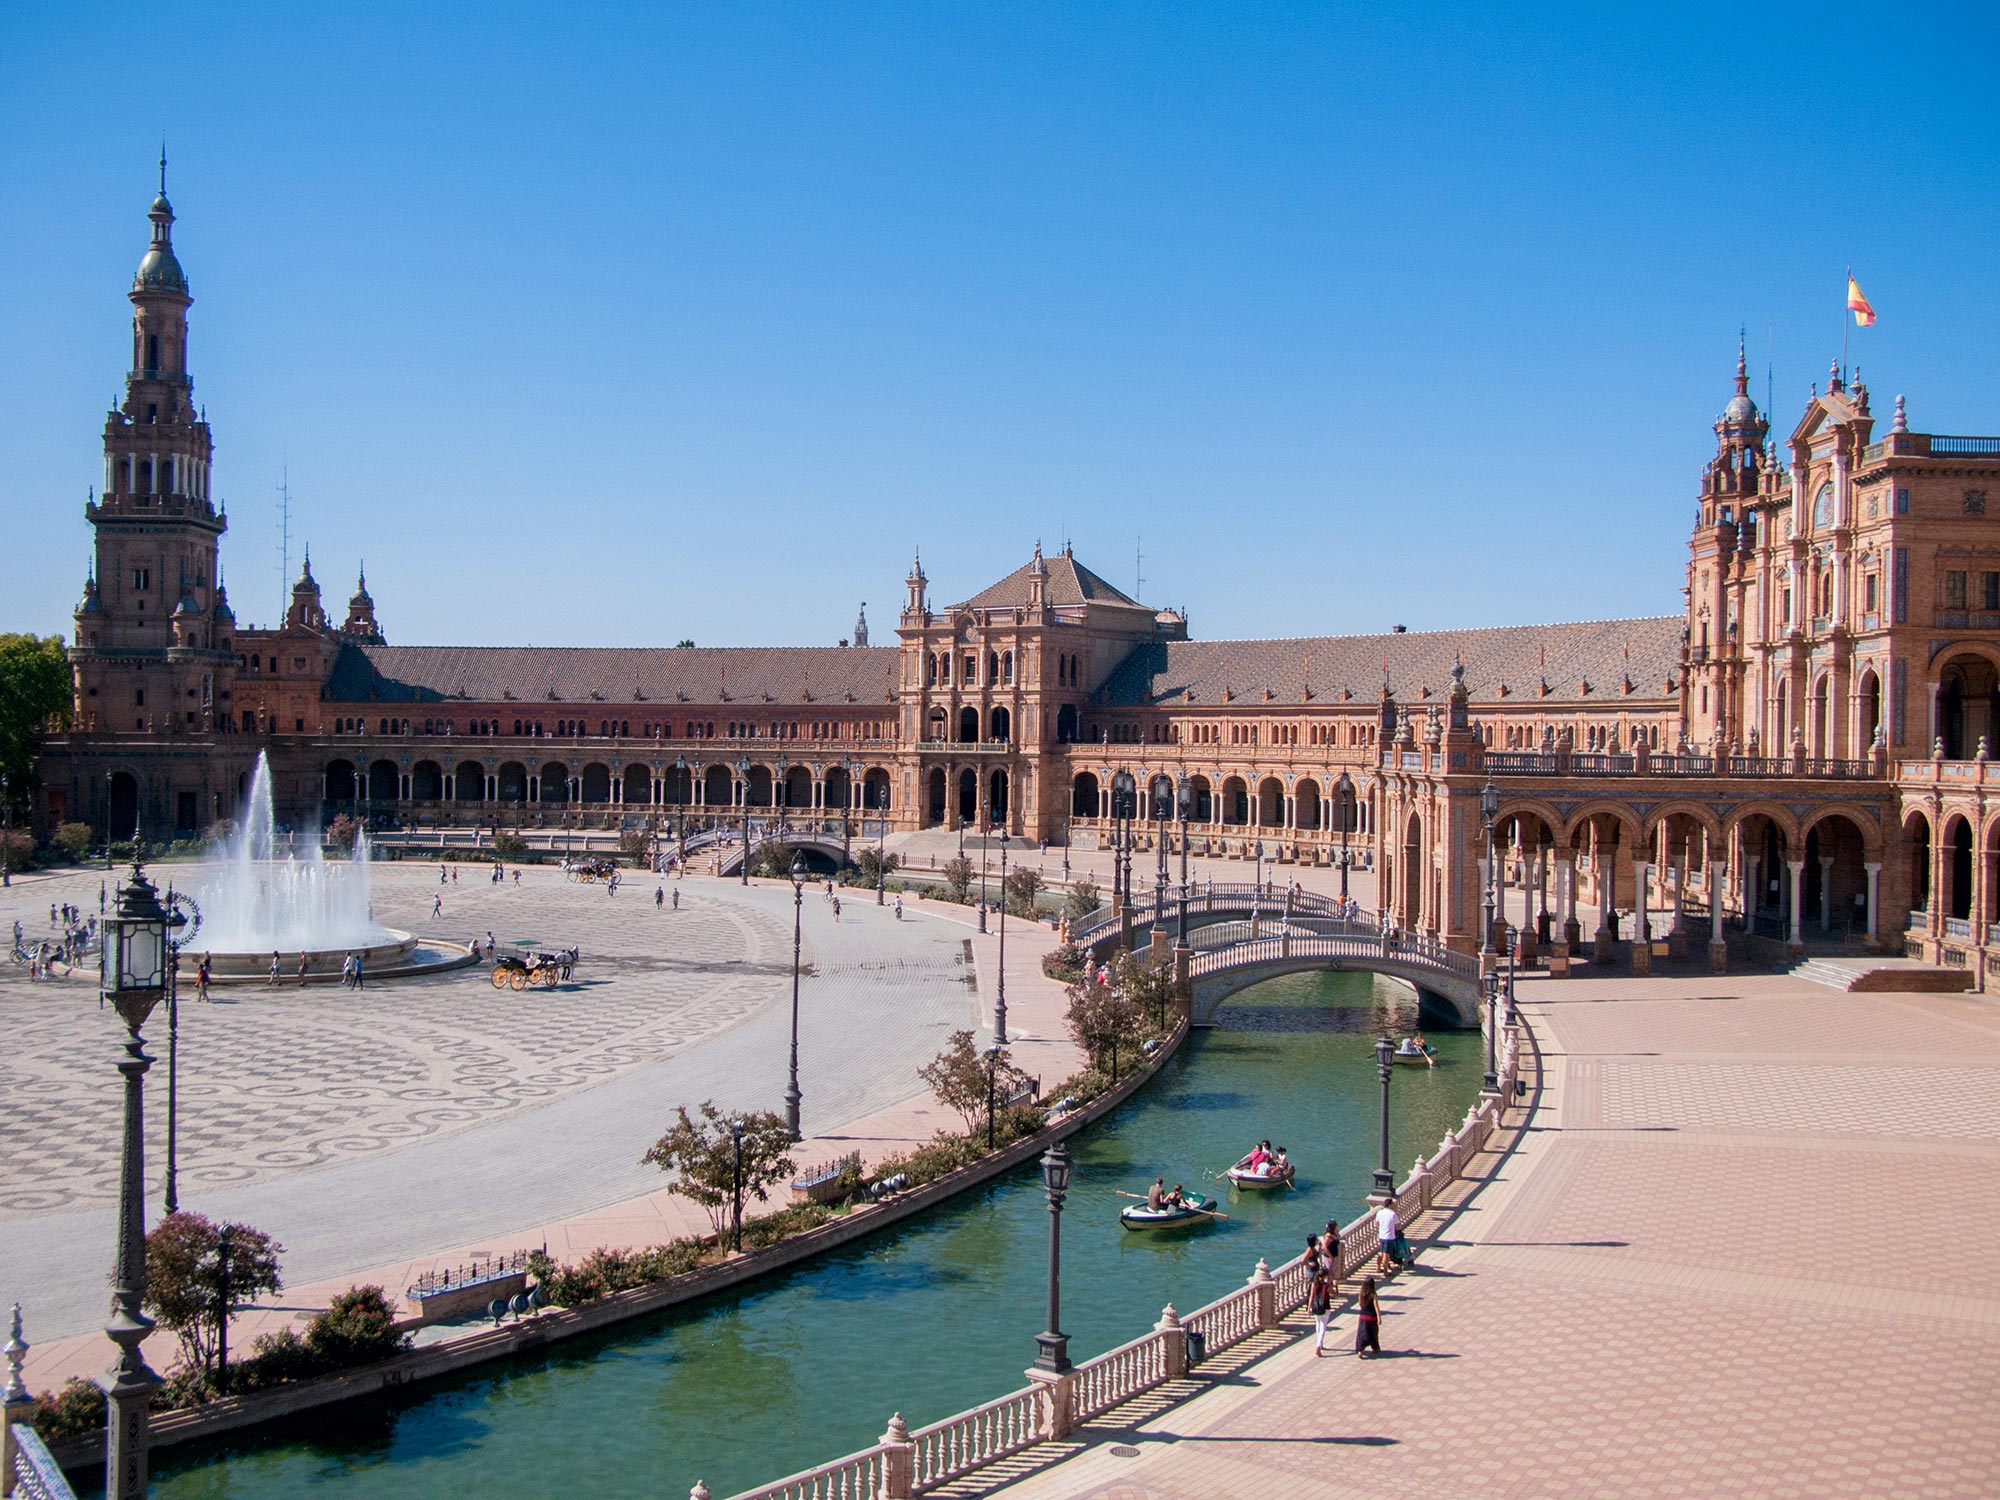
(159, 271)
(1741, 411)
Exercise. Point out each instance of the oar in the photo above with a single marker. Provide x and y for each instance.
(1209, 1211)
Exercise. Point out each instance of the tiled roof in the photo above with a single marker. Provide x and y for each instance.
(1069, 582)
(1520, 657)
(693, 674)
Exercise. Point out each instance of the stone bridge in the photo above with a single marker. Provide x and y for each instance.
(1447, 982)
(1207, 904)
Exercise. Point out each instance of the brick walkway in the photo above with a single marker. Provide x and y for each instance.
(1747, 1244)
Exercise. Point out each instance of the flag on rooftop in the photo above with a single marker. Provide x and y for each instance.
(1858, 304)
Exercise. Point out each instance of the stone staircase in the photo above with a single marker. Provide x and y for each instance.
(1883, 976)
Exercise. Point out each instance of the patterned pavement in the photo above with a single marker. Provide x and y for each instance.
(1746, 1244)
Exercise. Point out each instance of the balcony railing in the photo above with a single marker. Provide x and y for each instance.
(1934, 444)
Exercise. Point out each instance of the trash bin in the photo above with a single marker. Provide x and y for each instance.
(1197, 1347)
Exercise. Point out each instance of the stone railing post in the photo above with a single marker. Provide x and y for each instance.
(1421, 1177)
(1266, 1288)
(1450, 1155)
(898, 1459)
(699, 1492)
(1059, 1398)
(1173, 1343)
(19, 1404)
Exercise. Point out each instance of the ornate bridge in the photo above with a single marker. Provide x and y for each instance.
(825, 837)
(1447, 982)
(1234, 901)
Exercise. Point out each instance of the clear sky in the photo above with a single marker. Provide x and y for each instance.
(602, 324)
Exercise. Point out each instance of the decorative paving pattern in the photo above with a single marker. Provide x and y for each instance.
(278, 1079)
(1941, 1103)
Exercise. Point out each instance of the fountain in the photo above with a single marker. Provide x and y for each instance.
(255, 899)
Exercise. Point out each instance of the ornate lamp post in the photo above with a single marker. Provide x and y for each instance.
(1490, 1083)
(134, 981)
(110, 781)
(792, 1095)
(985, 844)
(743, 785)
(1124, 791)
(1000, 996)
(1513, 935)
(992, 1081)
(1186, 801)
(853, 769)
(781, 796)
(736, 1186)
(1052, 1344)
(1163, 809)
(881, 853)
(174, 921)
(1343, 791)
(1489, 807)
(681, 790)
(1385, 1179)
(6, 838)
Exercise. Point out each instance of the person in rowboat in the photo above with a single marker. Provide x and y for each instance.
(1177, 1198)
(1279, 1165)
(1259, 1159)
(1156, 1195)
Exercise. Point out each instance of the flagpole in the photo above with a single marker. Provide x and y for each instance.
(1845, 321)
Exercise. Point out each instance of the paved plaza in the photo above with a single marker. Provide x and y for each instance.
(1745, 1244)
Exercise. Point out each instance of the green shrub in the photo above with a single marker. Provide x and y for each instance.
(75, 840)
(786, 1222)
(604, 1271)
(275, 1359)
(184, 1386)
(357, 1328)
(509, 846)
(75, 1411)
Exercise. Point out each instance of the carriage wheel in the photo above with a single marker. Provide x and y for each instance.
(518, 980)
(499, 979)
(546, 978)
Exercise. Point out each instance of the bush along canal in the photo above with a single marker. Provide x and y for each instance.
(930, 1318)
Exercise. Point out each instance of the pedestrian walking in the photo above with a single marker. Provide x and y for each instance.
(489, 942)
(202, 974)
(1329, 1254)
(304, 964)
(347, 972)
(517, 879)
(1367, 1321)
(437, 906)
(1388, 1231)
(454, 874)
(1319, 1297)
(836, 908)
(899, 908)
(659, 897)
(274, 967)
(360, 981)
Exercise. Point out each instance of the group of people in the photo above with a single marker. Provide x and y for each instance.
(1264, 1162)
(1323, 1255)
(77, 933)
(660, 897)
(1158, 1197)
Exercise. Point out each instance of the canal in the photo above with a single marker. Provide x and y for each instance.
(929, 1319)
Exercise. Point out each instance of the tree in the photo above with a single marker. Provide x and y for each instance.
(358, 1327)
(185, 1283)
(1022, 887)
(17, 849)
(702, 1157)
(509, 846)
(1149, 986)
(75, 839)
(683, 644)
(875, 866)
(1100, 1019)
(1084, 898)
(958, 879)
(35, 694)
(636, 844)
(342, 832)
(960, 1076)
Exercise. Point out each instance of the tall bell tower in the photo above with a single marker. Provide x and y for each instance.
(154, 648)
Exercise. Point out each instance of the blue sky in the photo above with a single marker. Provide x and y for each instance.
(617, 324)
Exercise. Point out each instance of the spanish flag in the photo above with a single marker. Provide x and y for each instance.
(1858, 304)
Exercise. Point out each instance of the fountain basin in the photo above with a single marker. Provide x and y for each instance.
(405, 956)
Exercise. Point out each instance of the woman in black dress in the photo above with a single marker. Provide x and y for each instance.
(1367, 1321)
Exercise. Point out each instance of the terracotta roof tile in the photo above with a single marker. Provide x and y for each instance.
(1069, 582)
(693, 674)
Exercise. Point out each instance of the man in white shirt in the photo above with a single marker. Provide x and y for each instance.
(1388, 1227)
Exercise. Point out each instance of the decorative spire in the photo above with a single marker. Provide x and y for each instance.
(16, 1351)
(861, 625)
(1833, 381)
(163, 167)
(1902, 422)
(1742, 369)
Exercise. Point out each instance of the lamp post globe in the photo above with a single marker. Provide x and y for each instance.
(1052, 1344)
(1383, 1189)
(792, 1095)
(743, 790)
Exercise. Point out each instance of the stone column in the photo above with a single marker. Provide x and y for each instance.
(1718, 948)
(1798, 893)
(1874, 886)
(1826, 892)
(1566, 893)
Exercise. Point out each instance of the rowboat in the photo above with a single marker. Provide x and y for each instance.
(1243, 1177)
(1139, 1216)
(1415, 1057)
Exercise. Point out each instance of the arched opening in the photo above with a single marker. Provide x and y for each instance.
(799, 788)
(1836, 885)
(1413, 867)
(555, 783)
(1306, 810)
(1203, 810)
(875, 789)
(122, 809)
(637, 787)
(718, 787)
(1868, 697)
(677, 786)
(759, 794)
(511, 781)
(838, 787)
(1160, 805)
(1968, 705)
(1001, 725)
(1270, 803)
(1766, 876)
(1066, 724)
(996, 798)
(1084, 798)
(383, 783)
(968, 726)
(468, 782)
(938, 732)
(595, 783)
(1820, 746)
(1235, 802)
(968, 795)
(339, 783)
(1958, 868)
(936, 811)
(1917, 838)
(426, 782)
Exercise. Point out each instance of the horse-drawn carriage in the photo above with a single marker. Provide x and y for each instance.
(544, 970)
(590, 871)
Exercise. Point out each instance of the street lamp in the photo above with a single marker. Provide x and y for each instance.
(1053, 1345)
(1000, 998)
(992, 1080)
(110, 781)
(1489, 808)
(1343, 791)
(736, 1187)
(985, 845)
(6, 837)
(781, 792)
(682, 789)
(1513, 936)
(1385, 1177)
(1186, 802)
(853, 769)
(743, 785)
(792, 1095)
(1490, 1084)
(174, 921)
(133, 981)
(1163, 808)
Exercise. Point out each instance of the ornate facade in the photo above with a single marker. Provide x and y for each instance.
(1799, 755)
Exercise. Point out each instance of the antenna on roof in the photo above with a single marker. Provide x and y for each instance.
(1138, 566)
(284, 534)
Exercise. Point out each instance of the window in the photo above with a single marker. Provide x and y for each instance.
(142, 578)
(1989, 590)
(1871, 591)
(1954, 590)
(1902, 502)
(1784, 606)
(138, 697)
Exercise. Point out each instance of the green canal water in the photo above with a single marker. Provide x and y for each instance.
(929, 1319)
